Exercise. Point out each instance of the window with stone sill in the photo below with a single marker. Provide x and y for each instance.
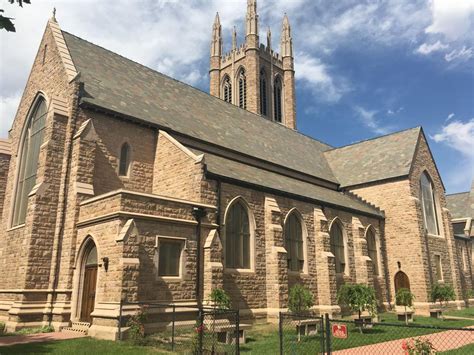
(294, 243)
(28, 158)
(428, 202)
(237, 237)
(338, 247)
(124, 161)
(169, 252)
(373, 251)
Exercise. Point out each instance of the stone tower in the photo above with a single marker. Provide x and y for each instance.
(252, 75)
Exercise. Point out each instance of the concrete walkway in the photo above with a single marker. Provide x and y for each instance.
(37, 338)
(443, 341)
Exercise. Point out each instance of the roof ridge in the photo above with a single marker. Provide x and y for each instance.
(375, 138)
(200, 90)
(458, 193)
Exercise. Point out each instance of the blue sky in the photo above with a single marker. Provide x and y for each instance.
(364, 68)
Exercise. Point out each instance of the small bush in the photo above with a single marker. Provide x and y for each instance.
(418, 346)
(404, 298)
(43, 329)
(300, 299)
(137, 327)
(442, 294)
(358, 298)
(2, 327)
(220, 299)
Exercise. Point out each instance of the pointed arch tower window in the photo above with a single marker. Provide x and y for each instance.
(263, 93)
(429, 204)
(277, 89)
(373, 250)
(28, 159)
(124, 163)
(227, 89)
(242, 89)
(294, 243)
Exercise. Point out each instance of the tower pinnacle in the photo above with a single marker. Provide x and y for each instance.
(216, 42)
(252, 18)
(286, 40)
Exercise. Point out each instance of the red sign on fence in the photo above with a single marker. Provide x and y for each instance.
(339, 331)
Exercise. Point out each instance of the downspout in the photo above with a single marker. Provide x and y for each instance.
(63, 203)
(198, 213)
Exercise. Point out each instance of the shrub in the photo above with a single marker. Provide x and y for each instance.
(358, 298)
(137, 327)
(418, 346)
(43, 329)
(300, 299)
(2, 327)
(220, 299)
(442, 294)
(404, 298)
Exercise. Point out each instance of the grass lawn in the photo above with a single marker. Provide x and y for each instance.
(466, 312)
(468, 349)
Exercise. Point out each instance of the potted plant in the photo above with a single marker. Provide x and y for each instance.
(405, 298)
(359, 298)
(442, 294)
(300, 300)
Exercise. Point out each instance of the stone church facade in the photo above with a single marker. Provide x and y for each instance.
(119, 183)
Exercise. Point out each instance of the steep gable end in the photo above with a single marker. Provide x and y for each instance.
(63, 50)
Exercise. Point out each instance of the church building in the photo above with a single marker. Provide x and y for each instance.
(120, 183)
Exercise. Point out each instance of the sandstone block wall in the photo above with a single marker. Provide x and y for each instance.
(4, 165)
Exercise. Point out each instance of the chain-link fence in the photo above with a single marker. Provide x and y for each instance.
(301, 334)
(181, 329)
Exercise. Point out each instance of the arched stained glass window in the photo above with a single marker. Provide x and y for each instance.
(277, 89)
(372, 249)
(227, 89)
(294, 243)
(28, 159)
(429, 205)
(242, 90)
(237, 237)
(124, 163)
(338, 247)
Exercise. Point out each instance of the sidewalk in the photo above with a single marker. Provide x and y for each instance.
(443, 341)
(37, 338)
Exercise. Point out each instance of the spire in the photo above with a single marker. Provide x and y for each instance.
(286, 40)
(53, 17)
(269, 39)
(252, 18)
(216, 43)
(234, 38)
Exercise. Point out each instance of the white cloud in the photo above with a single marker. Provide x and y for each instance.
(315, 74)
(368, 118)
(8, 108)
(459, 136)
(426, 48)
(451, 18)
(450, 116)
(462, 54)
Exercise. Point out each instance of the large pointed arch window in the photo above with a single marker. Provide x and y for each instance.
(277, 110)
(28, 159)
(429, 205)
(263, 93)
(124, 162)
(227, 89)
(338, 247)
(372, 250)
(242, 89)
(294, 243)
(237, 237)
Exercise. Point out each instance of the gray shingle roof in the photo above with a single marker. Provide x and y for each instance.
(375, 159)
(458, 205)
(279, 183)
(121, 85)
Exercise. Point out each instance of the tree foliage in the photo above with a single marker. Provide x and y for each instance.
(442, 294)
(6, 23)
(220, 299)
(405, 298)
(358, 298)
(300, 299)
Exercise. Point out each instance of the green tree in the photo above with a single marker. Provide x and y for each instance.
(358, 298)
(6, 23)
(404, 298)
(219, 299)
(442, 294)
(300, 300)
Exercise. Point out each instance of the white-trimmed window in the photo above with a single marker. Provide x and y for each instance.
(439, 268)
(294, 243)
(170, 254)
(373, 250)
(338, 247)
(237, 237)
(124, 161)
(28, 159)
(429, 205)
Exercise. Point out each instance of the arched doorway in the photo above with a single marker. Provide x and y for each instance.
(89, 282)
(401, 281)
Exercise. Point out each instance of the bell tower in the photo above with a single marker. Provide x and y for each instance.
(252, 75)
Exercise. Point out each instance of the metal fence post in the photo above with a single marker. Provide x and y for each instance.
(323, 333)
(201, 329)
(172, 327)
(328, 334)
(237, 328)
(120, 320)
(280, 332)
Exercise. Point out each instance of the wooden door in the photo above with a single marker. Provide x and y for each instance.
(401, 281)
(88, 293)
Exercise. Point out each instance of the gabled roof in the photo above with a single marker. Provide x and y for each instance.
(127, 88)
(279, 184)
(376, 159)
(458, 204)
